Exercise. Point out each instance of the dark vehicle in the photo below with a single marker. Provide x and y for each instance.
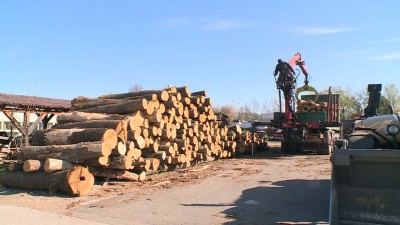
(366, 169)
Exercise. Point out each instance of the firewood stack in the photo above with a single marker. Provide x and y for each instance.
(130, 135)
(243, 139)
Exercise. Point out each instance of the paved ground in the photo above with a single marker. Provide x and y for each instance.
(266, 189)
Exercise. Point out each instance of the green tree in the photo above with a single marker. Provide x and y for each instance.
(351, 103)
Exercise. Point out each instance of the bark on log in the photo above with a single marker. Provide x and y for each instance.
(77, 181)
(74, 117)
(184, 91)
(53, 165)
(74, 136)
(199, 93)
(161, 94)
(111, 124)
(126, 107)
(117, 174)
(135, 153)
(76, 153)
(15, 167)
(121, 162)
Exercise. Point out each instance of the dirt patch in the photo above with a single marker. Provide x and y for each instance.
(234, 170)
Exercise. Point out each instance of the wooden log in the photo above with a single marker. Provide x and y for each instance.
(121, 162)
(126, 107)
(154, 163)
(111, 124)
(171, 89)
(136, 121)
(142, 165)
(185, 101)
(208, 102)
(117, 174)
(156, 117)
(76, 106)
(184, 91)
(77, 181)
(163, 94)
(134, 153)
(53, 165)
(15, 167)
(199, 93)
(122, 130)
(101, 161)
(76, 153)
(121, 149)
(167, 160)
(31, 165)
(74, 136)
(74, 117)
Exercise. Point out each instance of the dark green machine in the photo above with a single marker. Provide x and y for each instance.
(311, 131)
(366, 169)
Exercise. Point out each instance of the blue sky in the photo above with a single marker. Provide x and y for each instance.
(65, 49)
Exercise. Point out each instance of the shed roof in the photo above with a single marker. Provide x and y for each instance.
(33, 103)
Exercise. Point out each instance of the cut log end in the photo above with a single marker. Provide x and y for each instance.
(80, 181)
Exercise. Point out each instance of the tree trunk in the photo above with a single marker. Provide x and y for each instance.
(111, 124)
(77, 181)
(161, 95)
(126, 107)
(199, 93)
(184, 91)
(15, 167)
(74, 117)
(121, 162)
(117, 174)
(76, 153)
(79, 103)
(74, 136)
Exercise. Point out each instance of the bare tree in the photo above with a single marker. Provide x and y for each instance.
(228, 110)
(136, 88)
(391, 92)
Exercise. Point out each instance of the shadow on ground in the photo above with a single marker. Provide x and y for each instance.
(284, 202)
(287, 201)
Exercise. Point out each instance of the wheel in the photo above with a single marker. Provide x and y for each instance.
(285, 147)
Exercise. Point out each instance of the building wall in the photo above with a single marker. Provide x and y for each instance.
(5, 123)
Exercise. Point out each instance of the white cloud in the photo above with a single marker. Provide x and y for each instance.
(318, 30)
(226, 25)
(207, 24)
(387, 41)
(391, 56)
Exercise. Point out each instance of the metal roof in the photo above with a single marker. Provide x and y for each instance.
(33, 103)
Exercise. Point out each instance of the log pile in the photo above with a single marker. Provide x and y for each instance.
(130, 135)
(311, 106)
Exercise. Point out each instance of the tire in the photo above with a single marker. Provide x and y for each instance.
(285, 147)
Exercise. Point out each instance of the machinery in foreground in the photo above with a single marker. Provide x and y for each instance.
(313, 125)
(366, 169)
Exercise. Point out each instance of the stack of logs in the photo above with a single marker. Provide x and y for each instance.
(128, 136)
(311, 106)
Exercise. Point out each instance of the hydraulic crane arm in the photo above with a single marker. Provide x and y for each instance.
(296, 60)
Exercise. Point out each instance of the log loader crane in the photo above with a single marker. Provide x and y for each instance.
(313, 131)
